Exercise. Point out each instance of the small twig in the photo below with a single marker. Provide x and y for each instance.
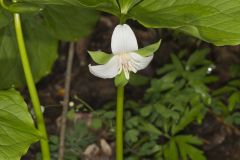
(81, 47)
(84, 103)
(66, 100)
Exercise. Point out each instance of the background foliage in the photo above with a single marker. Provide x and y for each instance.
(179, 96)
(42, 32)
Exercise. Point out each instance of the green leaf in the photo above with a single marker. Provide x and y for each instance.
(109, 115)
(177, 63)
(190, 139)
(187, 149)
(87, 3)
(233, 100)
(202, 90)
(165, 83)
(100, 57)
(96, 123)
(120, 80)
(138, 80)
(131, 135)
(133, 122)
(149, 50)
(170, 150)
(41, 48)
(235, 83)
(126, 5)
(188, 117)
(196, 58)
(150, 128)
(69, 23)
(24, 8)
(146, 111)
(236, 118)
(54, 139)
(109, 6)
(4, 18)
(211, 79)
(54, 2)
(165, 112)
(194, 153)
(165, 69)
(223, 90)
(17, 130)
(216, 22)
(148, 149)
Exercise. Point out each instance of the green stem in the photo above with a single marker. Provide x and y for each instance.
(31, 87)
(119, 124)
(3, 5)
(122, 19)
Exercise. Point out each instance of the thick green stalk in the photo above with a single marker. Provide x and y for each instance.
(31, 88)
(119, 123)
(122, 19)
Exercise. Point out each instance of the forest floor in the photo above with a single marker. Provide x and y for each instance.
(221, 142)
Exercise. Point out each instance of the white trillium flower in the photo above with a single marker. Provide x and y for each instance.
(125, 58)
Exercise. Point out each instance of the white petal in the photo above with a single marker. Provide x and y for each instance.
(139, 62)
(108, 70)
(123, 40)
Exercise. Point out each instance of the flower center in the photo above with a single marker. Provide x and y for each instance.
(126, 64)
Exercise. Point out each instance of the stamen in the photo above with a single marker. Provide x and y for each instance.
(127, 64)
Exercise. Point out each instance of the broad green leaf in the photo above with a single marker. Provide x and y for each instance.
(24, 8)
(42, 52)
(17, 130)
(109, 6)
(41, 44)
(69, 22)
(89, 3)
(100, 57)
(149, 50)
(126, 5)
(52, 2)
(215, 21)
(4, 18)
